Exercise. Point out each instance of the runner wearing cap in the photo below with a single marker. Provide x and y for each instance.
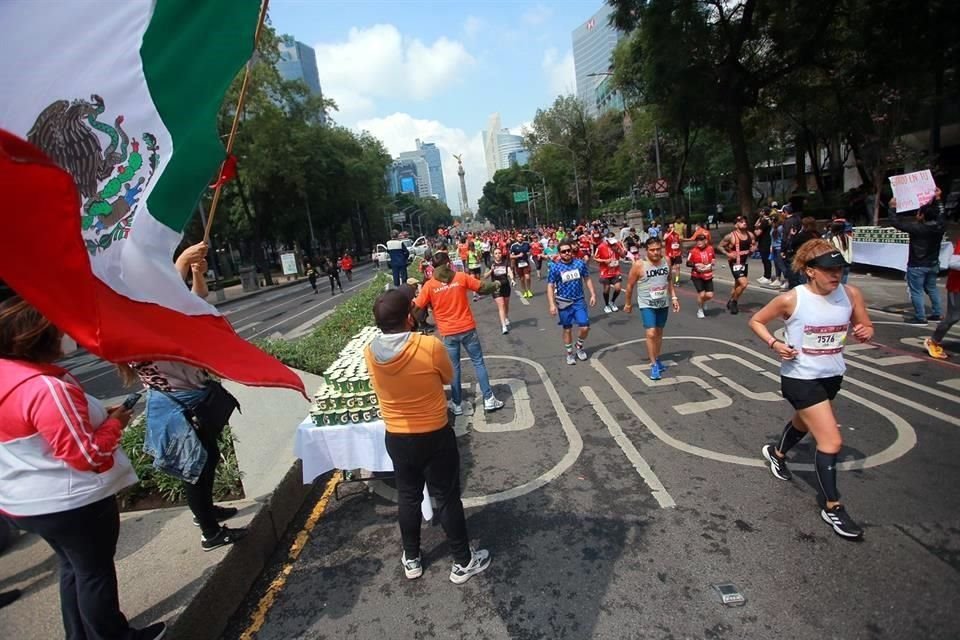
(737, 246)
(817, 316)
(702, 261)
(608, 256)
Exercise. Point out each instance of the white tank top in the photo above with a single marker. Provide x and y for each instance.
(818, 331)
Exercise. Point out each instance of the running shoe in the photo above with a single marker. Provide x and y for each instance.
(492, 404)
(915, 320)
(934, 349)
(456, 409)
(655, 372)
(508, 323)
(479, 561)
(607, 309)
(571, 359)
(614, 307)
(785, 286)
(841, 522)
(529, 294)
(763, 280)
(582, 354)
(778, 466)
(734, 307)
(505, 329)
(936, 317)
(700, 313)
(661, 366)
(412, 568)
(729, 303)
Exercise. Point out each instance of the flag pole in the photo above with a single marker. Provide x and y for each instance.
(236, 120)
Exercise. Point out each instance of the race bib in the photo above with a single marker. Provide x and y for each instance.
(675, 246)
(499, 271)
(739, 270)
(705, 268)
(521, 264)
(824, 341)
(658, 293)
(570, 276)
(613, 263)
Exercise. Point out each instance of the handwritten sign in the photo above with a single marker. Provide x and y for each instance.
(912, 190)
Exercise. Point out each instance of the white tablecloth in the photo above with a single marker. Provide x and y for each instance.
(353, 446)
(892, 255)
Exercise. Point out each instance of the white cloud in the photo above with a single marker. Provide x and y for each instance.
(473, 26)
(399, 131)
(379, 62)
(561, 76)
(537, 15)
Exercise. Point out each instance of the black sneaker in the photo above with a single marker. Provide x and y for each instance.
(153, 632)
(223, 514)
(729, 304)
(734, 307)
(778, 466)
(935, 317)
(915, 320)
(841, 522)
(225, 536)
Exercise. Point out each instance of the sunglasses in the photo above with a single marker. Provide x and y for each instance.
(566, 250)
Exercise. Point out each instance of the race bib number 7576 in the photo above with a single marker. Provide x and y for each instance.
(824, 340)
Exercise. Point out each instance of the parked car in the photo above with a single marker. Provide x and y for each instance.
(416, 247)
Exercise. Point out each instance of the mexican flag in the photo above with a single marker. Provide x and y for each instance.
(108, 138)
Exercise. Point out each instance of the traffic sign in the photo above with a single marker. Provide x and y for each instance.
(661, 186)
(661, 194)
(521, 196)
(399, 217)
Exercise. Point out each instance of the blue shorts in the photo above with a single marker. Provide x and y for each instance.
(654, 318)
(575, 314)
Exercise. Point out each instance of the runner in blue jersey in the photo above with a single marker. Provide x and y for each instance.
(565, 294)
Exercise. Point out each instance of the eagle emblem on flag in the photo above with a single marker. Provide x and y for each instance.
(109, 179)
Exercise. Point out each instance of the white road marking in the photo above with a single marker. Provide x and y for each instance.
(888, 361)
(720, 399)
(246, 326)
(523, 417)
(951, 384)
(906, 437)
(764, 396)
(574, 444)
(657, 489)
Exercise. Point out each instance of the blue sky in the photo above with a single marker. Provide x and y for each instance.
(404, 69)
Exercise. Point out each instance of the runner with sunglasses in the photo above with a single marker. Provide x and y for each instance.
(565, 295)
(817, 316)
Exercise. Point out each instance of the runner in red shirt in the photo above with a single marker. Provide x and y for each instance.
(536, 252)
(585, 245)
(608, 256)
(346, 263)
(702, 260)
(673, 252)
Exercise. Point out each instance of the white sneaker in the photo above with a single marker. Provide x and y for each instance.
(508, 323)
(763, 280)
(479, 561)
(505, 329)
(607, 309)
(700, 313)
(492, 404)
(582, 354)
(784, 286)
(571, 359)
(614, 307)
(457, 409)
(412, 568)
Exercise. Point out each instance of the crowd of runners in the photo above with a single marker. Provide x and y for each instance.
(816, 306)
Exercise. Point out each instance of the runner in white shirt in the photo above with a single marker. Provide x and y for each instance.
(817, 317)
(652, 279)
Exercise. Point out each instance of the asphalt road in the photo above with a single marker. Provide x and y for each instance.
(286, 312)
(612, 504)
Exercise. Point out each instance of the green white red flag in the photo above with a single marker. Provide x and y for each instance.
(118, 101)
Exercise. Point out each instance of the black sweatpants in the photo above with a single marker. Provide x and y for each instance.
(200, 495)
(85, 541)
(432, 458)
(334, 277)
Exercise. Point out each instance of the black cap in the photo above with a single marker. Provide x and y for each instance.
(828, 260)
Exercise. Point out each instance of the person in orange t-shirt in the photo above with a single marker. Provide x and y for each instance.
(408, 371)
(447, 293)
(346, 263)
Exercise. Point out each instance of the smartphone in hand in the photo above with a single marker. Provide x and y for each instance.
(131, 400)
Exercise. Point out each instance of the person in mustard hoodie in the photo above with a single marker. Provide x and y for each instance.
(408, 371)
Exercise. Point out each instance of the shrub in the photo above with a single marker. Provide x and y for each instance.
(315, 351)
(165, 486)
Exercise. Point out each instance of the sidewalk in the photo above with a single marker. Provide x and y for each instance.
(162, 571)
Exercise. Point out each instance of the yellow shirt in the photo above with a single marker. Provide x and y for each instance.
(409, 385)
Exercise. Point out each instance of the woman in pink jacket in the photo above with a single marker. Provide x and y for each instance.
(60, 470)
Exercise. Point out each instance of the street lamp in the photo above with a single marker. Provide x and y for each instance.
(576, 180)
(546, 203)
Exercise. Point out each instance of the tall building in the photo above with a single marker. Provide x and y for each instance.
(299, 62)
(498, 144)
(431, 154)
(520, 157)
(593, 45)
(411, 163)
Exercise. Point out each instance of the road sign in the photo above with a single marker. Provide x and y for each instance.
(661, 194)
(661, 186)
(399, 217)
(521, 196)
(289, 262)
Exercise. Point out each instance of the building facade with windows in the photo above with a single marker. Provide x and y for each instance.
(593, 45)
(299, 62)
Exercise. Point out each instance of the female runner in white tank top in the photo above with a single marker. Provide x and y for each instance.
(817, 317)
